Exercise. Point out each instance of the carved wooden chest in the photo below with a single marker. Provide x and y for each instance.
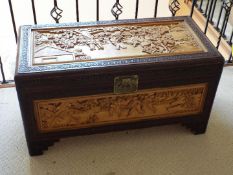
(85, 78)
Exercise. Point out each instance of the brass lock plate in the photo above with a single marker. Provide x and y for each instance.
(126, 84)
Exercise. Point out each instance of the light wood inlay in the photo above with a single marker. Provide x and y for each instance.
(87, 111)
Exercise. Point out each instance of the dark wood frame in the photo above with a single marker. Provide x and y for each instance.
(40, 82)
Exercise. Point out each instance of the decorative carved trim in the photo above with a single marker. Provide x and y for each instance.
(25, 65)
(95, 110)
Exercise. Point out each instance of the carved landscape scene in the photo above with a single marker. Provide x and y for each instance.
(52, 46)
(86, 111)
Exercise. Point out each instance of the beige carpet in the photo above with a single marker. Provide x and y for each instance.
(165, 150)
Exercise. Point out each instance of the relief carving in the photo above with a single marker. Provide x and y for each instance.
(115, 41)
(86, 111)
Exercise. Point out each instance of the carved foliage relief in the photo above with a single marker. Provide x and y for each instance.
(86, 111)
(92, 43)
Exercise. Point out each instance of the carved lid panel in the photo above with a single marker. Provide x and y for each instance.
(116, 41)
(74, 46)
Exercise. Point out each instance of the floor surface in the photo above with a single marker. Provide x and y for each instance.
(164, 150)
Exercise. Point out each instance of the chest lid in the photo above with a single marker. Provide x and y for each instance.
(71, 46)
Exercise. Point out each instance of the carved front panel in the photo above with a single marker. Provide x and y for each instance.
(86, 111)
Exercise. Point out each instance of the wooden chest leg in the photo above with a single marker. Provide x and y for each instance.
(196, 127)
(37, 147)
